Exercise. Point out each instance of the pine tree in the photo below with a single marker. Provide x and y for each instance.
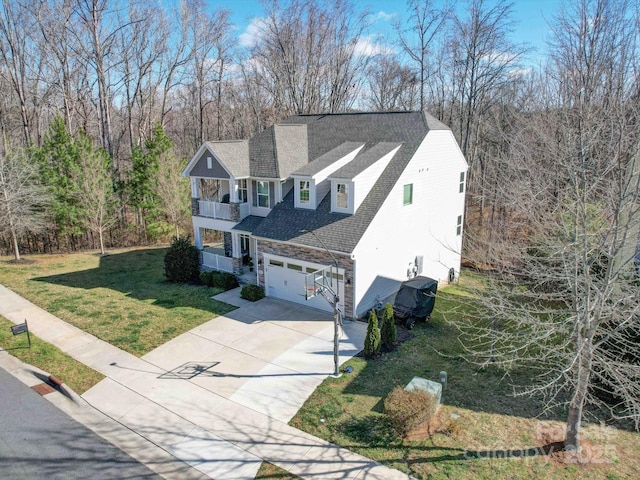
(388, 332)
(372, 340)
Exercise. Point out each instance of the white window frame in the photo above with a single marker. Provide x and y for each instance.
(342, 196)
(263, 195)
(404, 194)
(305, 186)
(462, 181)
(243, 191)
(459, 226)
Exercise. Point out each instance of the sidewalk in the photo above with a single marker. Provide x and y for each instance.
(207, 430)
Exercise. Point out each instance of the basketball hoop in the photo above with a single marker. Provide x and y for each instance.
(309, 291)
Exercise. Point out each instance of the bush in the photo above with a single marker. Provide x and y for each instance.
(388, 332)
(253, 293)
(372, 340)
(409, 409)
(182, 261)
(205, 278)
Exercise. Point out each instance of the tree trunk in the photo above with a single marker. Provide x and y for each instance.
(574, 417)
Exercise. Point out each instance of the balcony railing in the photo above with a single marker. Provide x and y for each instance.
(222, 211)
(216, 261)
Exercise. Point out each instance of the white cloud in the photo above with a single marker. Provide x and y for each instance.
(369, 47)
(382, 16)
(252, 33)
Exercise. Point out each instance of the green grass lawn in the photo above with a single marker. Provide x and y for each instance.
(488, 421)
(122, 298)
(48, 358)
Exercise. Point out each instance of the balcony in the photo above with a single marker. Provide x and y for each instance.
(223, 211)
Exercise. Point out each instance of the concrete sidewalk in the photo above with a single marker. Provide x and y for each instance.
(218, 397)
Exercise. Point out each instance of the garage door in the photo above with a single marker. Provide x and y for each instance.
(284, 278)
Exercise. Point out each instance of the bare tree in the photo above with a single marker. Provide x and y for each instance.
(392, 86)
(565, 298)
(94, 189)
(416, 40)
(23, 199)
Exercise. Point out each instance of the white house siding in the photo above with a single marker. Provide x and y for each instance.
(427, 227)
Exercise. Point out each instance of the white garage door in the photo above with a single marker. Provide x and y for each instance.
(284, 278)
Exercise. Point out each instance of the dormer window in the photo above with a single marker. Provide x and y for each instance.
(304, 191)
(342, 195)
(263, 194)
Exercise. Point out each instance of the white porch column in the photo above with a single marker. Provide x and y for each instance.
(197, 237)
(235, 245)
(195, 189)
(233, 190)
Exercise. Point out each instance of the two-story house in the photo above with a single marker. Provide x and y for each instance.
(378, 195)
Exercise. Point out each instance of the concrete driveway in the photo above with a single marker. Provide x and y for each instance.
(268, 356)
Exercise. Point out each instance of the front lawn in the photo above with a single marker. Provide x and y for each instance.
(484, 431)
(48, 358)
(122, 298)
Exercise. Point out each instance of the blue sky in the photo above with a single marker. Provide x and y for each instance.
(531, 17)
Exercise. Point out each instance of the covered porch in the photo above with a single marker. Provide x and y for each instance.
(222, 251)
(220, 198)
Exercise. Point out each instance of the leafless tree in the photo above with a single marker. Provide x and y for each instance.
(564, 300)
(417, 39)
(23, 199)
(391, 85)
(94, 189)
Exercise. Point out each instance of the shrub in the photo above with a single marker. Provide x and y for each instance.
(409, 409)
(372, 340)
(253, 293)
(388, 332)
(205, 278)
(182, 261)
(224, 280)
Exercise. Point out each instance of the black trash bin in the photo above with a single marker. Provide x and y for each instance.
(415, 299)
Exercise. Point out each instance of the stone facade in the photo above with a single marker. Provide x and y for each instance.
(237, 265)
(228, 245)
(235, 212)
(315, 256)
(195, 207)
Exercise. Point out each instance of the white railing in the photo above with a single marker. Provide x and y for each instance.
(244, 210)
(214, 209)
(208, 208)
(217, 262)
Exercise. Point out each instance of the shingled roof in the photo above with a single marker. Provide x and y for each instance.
(336, 231)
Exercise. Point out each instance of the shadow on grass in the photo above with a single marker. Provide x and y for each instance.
(139, 274)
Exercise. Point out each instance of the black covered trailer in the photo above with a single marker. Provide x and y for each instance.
(415, 299)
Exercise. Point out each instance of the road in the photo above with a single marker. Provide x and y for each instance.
(39, 441)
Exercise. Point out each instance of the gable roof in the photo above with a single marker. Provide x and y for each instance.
(328, 159)
(233, 156)
(364, 160)
(336, 231)
(278, 151)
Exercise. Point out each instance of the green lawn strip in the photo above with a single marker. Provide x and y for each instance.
(45, 356)
(269, 471)
(348, 411)
(122, 298)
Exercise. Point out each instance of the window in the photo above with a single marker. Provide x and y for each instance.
(461, 182)
(293, 266)
(242, 191)
(459, 225)
(342, 195)
(263, 194)
(209, 163)
(408, 194)
(304, 191)
(244, 244)
(276, 263)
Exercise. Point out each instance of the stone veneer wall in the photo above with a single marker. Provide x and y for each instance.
(195, 207)
(310, 255)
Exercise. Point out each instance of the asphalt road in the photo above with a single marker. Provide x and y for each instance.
(39, 441)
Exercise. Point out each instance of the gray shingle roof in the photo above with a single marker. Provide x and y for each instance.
(249, 224)
(327, 159)
(364, 160)
(233, 154)
(278, 151)
(342, 232)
